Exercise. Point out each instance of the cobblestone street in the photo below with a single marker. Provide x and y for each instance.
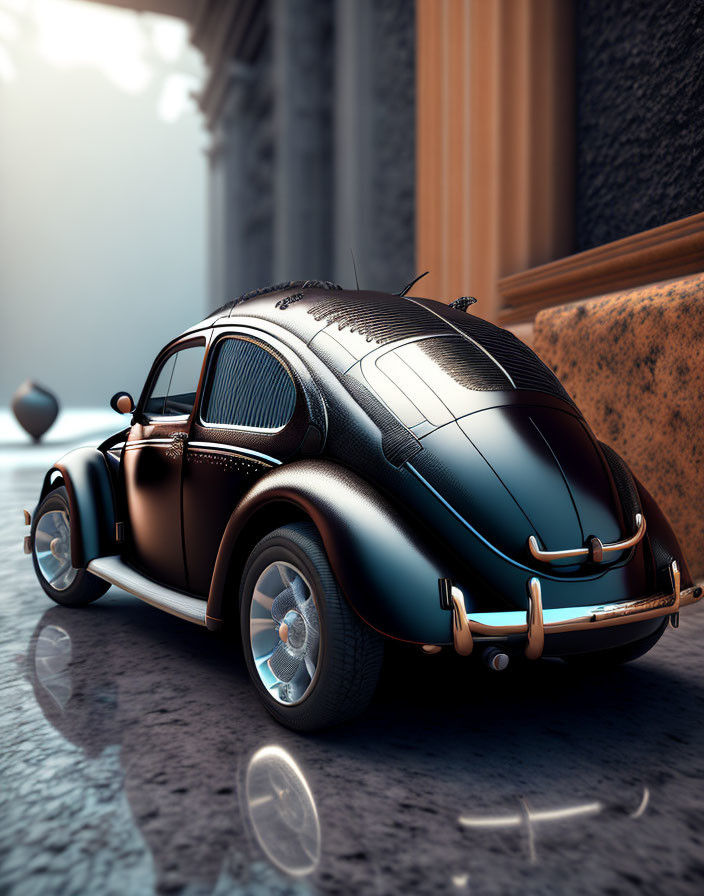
(136, 759)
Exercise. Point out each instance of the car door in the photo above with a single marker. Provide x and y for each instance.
(153, 464)
(252, 416)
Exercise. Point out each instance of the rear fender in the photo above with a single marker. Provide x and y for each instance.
(91, 503)
(663, 542)
(388, 577)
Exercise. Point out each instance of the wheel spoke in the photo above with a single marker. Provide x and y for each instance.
(263, 600)
(283, 664)
(64, 567)
(286, 573)
(259, 625)
(300, 590)
(283, 603)
(263, 660)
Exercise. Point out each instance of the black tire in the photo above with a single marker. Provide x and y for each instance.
(85, 588)
(616, 656)
(350, 657)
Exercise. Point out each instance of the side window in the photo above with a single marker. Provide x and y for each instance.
(249, 388)
(174, 391)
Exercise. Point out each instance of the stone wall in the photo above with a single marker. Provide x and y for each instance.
(639, 108)
(634, 363)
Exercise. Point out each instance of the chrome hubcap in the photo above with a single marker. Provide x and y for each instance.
(52, 546)
(284, 632)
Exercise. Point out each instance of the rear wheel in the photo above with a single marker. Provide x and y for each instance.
(51, 553)
(616, 656)
(313, 662)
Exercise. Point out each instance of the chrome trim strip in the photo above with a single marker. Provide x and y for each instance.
(213, 446)
(161, 419)
(228, 427)
(207, 446)
(548, 556)
(140, 443)
(117, 572)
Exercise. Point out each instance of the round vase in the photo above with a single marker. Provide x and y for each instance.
(35, 408)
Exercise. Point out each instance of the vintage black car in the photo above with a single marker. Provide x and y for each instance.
(329, 468)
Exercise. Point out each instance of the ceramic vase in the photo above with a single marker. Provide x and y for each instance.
(35, 408)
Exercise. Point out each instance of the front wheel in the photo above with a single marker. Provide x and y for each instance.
(51, 553)
(313, 662)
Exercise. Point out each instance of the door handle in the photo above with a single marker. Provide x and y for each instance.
(178, 444)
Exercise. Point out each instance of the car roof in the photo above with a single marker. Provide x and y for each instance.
(343, 326)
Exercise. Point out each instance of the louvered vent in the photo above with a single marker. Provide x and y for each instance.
(390, 319)
(625, 484)
(379, 320)
(520, 362)
(465, 363)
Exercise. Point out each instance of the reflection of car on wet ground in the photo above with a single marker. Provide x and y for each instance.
(328, 468)
(209, 812)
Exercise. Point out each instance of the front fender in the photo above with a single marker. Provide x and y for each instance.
(91, 504)
(386, 575)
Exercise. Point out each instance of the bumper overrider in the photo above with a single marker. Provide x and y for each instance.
(535, 622)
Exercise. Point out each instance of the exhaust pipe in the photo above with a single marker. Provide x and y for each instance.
(495, 659)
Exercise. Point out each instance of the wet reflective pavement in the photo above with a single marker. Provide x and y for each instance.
(136, 759)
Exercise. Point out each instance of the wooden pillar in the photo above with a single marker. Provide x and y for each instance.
(494, 142)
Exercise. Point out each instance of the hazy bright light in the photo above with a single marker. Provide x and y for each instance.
(131, 51)
(72, 34)
(169, 37)
(175, 96)
(7, 67)
(9, 29)
(15, 5)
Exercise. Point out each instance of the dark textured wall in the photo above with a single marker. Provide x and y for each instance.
(640, 108)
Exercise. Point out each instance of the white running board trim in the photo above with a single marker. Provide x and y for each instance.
(117, 572)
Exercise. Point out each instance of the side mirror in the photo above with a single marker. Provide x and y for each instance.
(123, 403)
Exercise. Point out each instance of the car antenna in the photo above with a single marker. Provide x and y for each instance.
(354, 265)
(412, 283)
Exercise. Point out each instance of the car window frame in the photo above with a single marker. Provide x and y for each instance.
(209, 373)
(162, 358)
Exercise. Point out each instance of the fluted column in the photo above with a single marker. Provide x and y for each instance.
(494, 142)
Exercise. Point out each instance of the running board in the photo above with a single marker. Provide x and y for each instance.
(117, 572)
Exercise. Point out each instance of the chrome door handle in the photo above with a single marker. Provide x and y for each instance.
(178, 444)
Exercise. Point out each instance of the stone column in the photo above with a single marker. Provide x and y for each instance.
(375, 142)
(229, 196)
(302, 73)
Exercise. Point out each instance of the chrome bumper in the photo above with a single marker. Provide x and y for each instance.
(536, 622)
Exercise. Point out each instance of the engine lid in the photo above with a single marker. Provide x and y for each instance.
(520, 470)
